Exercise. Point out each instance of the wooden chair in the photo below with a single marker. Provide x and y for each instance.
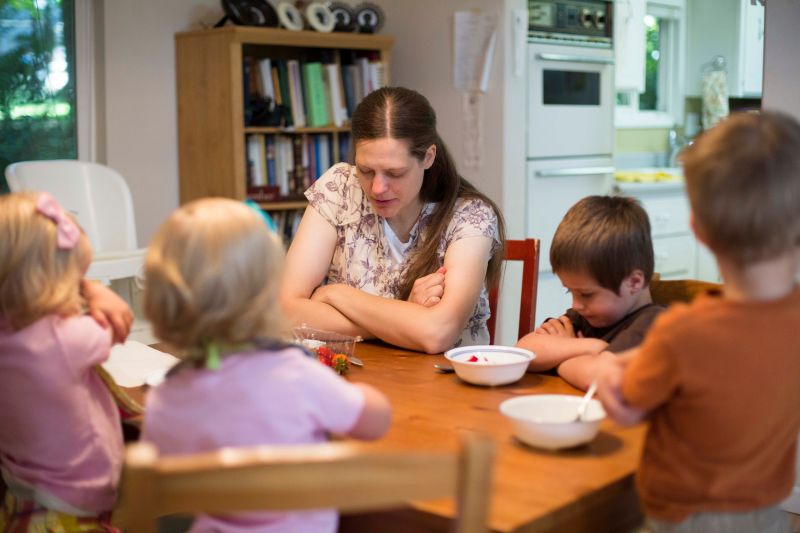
(526, 251)
(664, 292)
(348, 476)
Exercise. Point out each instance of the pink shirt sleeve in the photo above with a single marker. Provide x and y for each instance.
(335, 403)
(84, 342)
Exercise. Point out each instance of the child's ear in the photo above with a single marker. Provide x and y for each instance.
(634, 282)
(697, 230)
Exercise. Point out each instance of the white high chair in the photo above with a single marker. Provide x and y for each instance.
(100, 200)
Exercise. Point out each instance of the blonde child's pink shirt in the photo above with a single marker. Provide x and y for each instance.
(60, 433)
(255, 398)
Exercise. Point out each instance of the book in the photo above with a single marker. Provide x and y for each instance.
(296, 93)
(255, 160)
(269, 145)
(317, 95)
(349, 89)
(364, 76)
(283, 80)
(265, 73)
(336, 92)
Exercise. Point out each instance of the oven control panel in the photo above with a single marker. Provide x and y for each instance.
(586, 22)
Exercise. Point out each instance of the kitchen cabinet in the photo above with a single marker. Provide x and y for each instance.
(674, 245)
(629, 44)
(734, 30)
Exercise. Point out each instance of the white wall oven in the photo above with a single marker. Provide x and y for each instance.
(570, 121)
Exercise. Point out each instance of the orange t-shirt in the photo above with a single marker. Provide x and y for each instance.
(722, 382)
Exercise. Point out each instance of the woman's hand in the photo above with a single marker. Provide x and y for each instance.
(428, 290)
(108, 309)
(559, 327)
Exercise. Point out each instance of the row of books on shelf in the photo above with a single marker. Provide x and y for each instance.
(286, 223)
(316, 93)
(280, 166)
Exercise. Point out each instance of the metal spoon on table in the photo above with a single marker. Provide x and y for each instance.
(444, 368)
(585, 401)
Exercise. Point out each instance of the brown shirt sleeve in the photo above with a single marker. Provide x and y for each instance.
(632, 334)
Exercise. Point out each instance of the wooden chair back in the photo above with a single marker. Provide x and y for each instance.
(348, 476)
(667, 291)
(526, 251)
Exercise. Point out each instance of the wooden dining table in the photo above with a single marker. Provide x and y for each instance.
(588, 488)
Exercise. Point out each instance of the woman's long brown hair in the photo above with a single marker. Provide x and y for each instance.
(404, 114)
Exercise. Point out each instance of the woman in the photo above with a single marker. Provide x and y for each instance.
(398, 246)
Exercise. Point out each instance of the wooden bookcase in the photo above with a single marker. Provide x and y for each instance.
(211, 119)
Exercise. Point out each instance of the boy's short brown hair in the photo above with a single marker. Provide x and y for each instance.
(743, 182)
(607, 237)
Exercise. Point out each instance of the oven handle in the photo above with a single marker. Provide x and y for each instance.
(584, 171)
(574, 59)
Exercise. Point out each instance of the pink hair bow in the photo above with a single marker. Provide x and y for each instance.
(68, 232)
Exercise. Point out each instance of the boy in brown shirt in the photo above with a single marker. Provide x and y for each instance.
(719, 377)
(603, 255)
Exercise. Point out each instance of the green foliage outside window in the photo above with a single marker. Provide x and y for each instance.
(648, 100)
(37, 81)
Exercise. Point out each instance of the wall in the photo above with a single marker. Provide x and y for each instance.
(140, 109)
(422, 60)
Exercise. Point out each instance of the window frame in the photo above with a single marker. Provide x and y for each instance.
(670, 76)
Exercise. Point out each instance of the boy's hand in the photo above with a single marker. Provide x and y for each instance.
(428, 290)
(108, 309)
(609, 391)
(560, 327)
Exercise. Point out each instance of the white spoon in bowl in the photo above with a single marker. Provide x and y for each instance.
(585, 401)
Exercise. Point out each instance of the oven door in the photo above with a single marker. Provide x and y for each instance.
(571, 100)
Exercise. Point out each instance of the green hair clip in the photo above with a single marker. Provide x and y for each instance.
(213, 357)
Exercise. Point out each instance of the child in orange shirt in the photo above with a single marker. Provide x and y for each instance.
(718, 377)
(603, 255)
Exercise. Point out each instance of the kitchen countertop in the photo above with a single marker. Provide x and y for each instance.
(650, 179)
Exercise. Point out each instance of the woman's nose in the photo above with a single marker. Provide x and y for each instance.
(379, 185)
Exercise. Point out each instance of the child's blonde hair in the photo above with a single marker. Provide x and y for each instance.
(212, 275)
(37, 277)
(743, 183)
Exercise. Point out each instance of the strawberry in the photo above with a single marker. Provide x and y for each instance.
(325, 355)
(339, 363)
(473, 359)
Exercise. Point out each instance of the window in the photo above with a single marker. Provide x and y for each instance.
(37, 82)
(660, 104)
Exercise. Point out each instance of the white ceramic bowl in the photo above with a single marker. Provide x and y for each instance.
(548, 420)
(495, 365)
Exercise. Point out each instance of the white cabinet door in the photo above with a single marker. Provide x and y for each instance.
(629, 44)
(752, 49)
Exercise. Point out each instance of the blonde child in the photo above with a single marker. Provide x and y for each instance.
(719, 377)
(603, 255)
(60, 433)
(212, 274)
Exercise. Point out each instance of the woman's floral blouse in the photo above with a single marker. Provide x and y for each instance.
(361, 258)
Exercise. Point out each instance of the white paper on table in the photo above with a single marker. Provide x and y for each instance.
(473, 45)
(131, 363)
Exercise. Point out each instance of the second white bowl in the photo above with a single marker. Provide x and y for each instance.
(549, 420)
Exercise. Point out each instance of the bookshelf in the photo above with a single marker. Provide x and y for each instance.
(216, 144)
